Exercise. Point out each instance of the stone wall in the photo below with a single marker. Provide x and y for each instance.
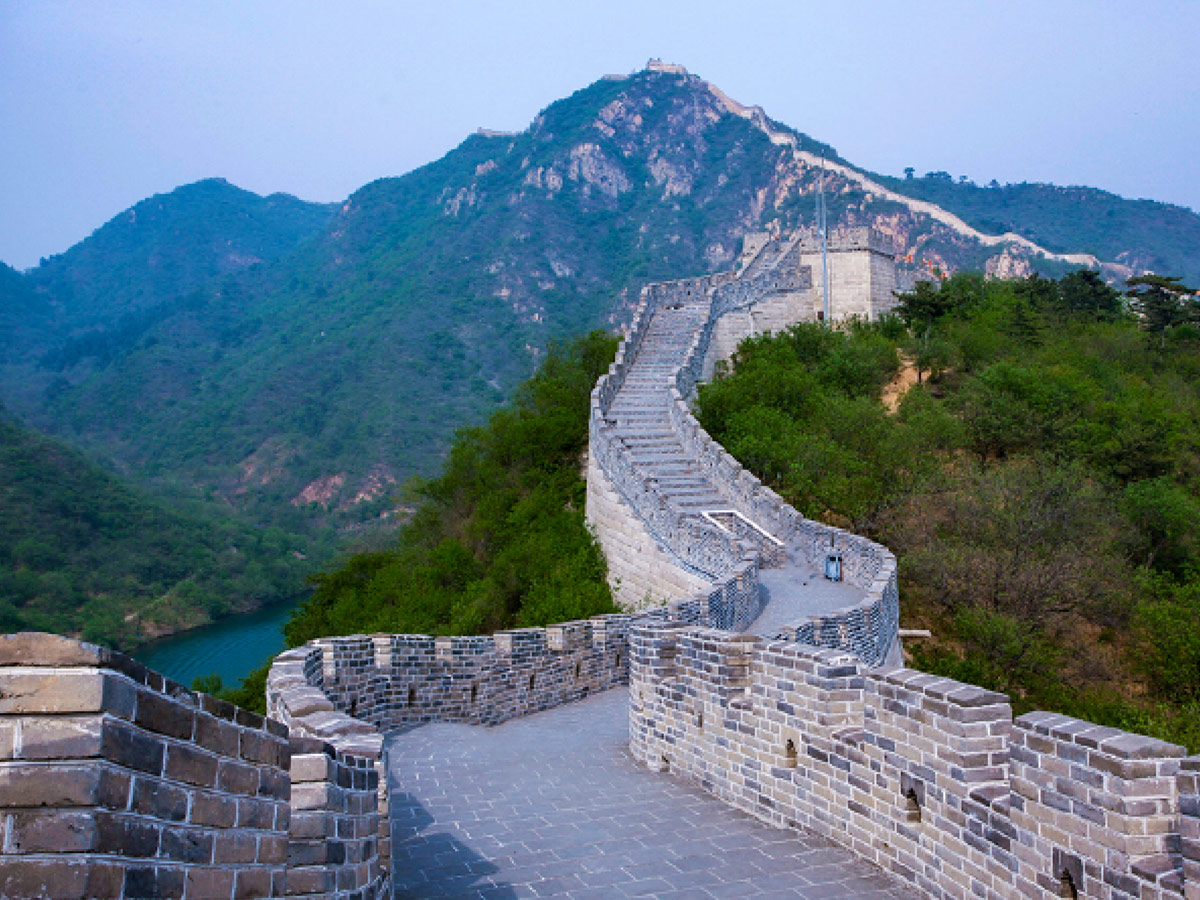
(116, 782)
(929, 778)
(657, 555)
(338, 696)
(353, 688)
(647, 576)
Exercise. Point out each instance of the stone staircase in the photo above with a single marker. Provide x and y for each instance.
(640, 413)
(772, 256)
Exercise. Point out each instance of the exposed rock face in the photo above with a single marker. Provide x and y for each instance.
(322, 491)
(1009, 264)
(590, 165)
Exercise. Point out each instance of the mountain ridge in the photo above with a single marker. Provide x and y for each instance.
(310, 381)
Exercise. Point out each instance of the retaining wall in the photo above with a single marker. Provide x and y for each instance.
(929, 778)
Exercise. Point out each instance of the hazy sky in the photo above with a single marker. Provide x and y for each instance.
(105, 103)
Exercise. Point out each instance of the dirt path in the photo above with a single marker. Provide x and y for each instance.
(894, 390)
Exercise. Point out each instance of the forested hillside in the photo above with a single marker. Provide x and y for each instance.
(300, 361)
(82, 553)
(1040, 484)
(1140, 234)
(499, 538)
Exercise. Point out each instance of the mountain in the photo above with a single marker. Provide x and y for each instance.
(299, 362)
(81, 552)
(1135, 235)
(171, 244)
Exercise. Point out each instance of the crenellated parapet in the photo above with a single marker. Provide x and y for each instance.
(116, 782)
(927, 777)
(679, 519)
(356, 688)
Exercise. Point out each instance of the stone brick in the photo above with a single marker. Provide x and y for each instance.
(35, 648)
(51, 831)
(217, 735)
(187, 845)
(253, 813)
(65, 879)
(158, 799)
(235, 846)
(213, 809)
(312, 880)
(253, 883)
(274, 784)
(154, 882)
(272, 849)
(25, 691)
(62, 785)
(132, 747)
(260, 747)
(311, 767)
(125, 835)
(165, 715)
(55, 737)
(188, 764)
(313, 824)
(207, 883)
(237, 778)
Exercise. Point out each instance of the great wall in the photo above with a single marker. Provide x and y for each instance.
(118, 783)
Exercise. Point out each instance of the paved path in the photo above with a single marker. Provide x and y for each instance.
(552, 805)
(797, 591)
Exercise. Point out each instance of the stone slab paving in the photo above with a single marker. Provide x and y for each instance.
(552, 805)
(797, 591)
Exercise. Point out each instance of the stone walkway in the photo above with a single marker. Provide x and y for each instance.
(552, 805)
(640, 413)
(795, 592)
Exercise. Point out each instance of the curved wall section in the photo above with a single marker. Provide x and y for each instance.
(659, 552)
(116, 782)
(352, 689)
(927, 777)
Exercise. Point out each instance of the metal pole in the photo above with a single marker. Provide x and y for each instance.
(822, 228)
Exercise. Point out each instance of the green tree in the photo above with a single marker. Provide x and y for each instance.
(1084, 292)
(1162, 302)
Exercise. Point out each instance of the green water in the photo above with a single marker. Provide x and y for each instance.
(231, 647)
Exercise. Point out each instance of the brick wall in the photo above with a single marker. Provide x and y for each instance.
(338, 840)
(337, 696)
(927, 777)
(116, 782)
(353, 688)
(658, 555)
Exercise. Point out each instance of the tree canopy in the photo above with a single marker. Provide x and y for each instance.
(1041, 488)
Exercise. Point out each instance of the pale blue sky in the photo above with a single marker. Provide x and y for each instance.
(105, 103)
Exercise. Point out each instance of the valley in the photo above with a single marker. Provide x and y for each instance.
(287, 368)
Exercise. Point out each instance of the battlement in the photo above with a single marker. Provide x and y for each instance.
(360, 686)
(118, 782)
(927, 777)
(844, 239)
(848, 239)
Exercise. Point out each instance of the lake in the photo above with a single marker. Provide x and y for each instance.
(231, 647)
